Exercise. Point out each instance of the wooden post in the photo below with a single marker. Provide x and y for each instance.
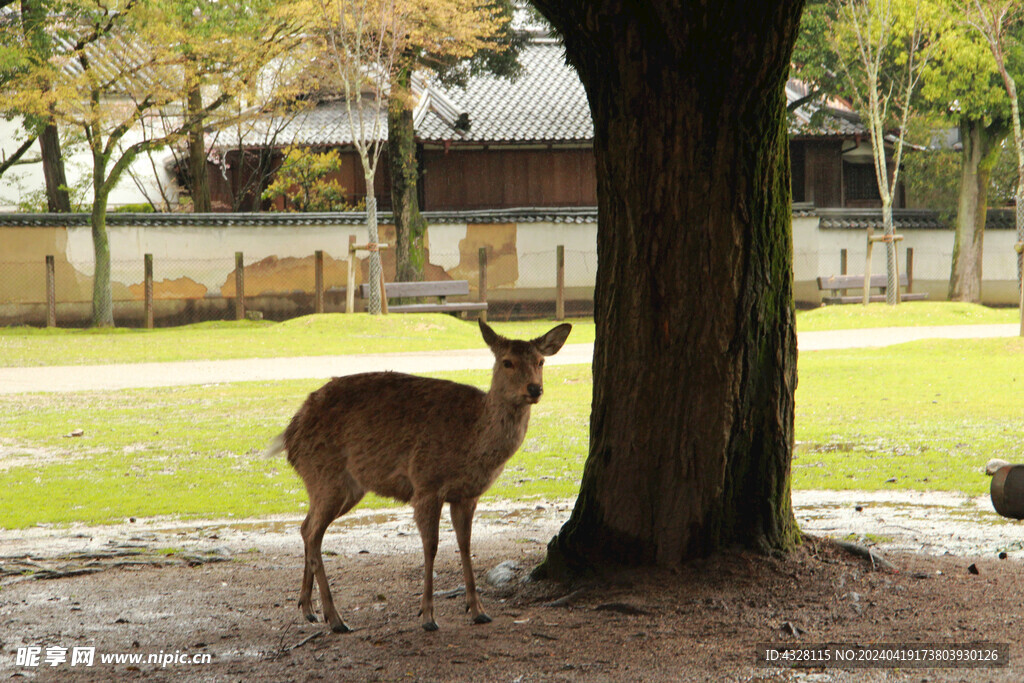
(51, 292)
(910, 270)
(894, 239)
(867, 267)
(560, 282)
(482, 280)
(350, 290)
(843, 263)
(148, 261)
(239, 286)
(895, 264)
(318, 276)
(1019, 248)
(383, 295)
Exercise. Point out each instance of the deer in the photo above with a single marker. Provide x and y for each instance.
(418, 440)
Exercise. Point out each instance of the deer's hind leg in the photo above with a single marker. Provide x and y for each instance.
(330, 501)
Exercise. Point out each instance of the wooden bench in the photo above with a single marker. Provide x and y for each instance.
(837, 284)
(442, 289)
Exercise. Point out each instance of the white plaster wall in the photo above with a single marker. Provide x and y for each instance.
(443, 241)
(21, 181)
(805, 248)
(205, 254)
(536, 243)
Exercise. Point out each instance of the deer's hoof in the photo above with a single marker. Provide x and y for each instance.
(430, 626)
(340, 627)
(481, 619)
(311, 617)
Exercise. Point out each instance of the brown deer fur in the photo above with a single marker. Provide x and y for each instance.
(422, 441)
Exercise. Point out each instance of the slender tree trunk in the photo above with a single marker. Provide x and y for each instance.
(33, 17)
(981, 146)
(102, 297)
(409, 224)
(691, 432)
(374, 302)
(199, 177)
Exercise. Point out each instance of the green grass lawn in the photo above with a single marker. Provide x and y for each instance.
(923, 416)
(195, 451)
(314, 335)
(910, 314)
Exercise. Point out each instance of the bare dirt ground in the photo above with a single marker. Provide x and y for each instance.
(228, 589)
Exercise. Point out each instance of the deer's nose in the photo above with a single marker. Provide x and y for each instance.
(534, 390)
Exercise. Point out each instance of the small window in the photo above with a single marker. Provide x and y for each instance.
(860, 183)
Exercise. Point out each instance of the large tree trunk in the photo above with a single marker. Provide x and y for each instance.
(981, 145)
(409, 224)
(691, 432)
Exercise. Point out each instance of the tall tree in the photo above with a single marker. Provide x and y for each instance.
(879, 44)
(34, 47)
(815, 62)
(123, 62)
(363, 40)
(691, 431)
(992, 19)
(454, 39)
(961, 84)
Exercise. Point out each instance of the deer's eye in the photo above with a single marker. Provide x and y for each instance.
(541, 363)
(507, 364)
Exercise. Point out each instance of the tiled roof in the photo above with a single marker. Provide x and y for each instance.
(831, 219)
(523, 215)
(325, 124)
(904, 219)
(815, 120)
(546, 103)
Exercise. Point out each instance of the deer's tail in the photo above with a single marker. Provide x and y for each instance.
(275, 447)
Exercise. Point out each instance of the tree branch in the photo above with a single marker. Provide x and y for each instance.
(17, 154)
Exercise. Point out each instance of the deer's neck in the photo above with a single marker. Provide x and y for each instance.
(503, 428)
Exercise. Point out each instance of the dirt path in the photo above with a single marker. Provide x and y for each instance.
(136, 375)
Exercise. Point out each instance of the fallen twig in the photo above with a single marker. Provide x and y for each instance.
(565, 600)
(868, 554)
(305, 640)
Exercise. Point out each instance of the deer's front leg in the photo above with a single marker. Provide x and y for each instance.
(427, 512)
(462, 520)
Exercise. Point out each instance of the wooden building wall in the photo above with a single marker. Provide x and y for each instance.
(504, 178)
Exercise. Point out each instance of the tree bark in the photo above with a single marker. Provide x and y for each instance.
(102, 296)
(410, 226)
(199, 178)
(691, 433)
(33, 17)
(58, 200)
(981, 146)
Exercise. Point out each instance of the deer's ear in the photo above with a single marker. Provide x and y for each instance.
(551, 342)
(490, 336)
